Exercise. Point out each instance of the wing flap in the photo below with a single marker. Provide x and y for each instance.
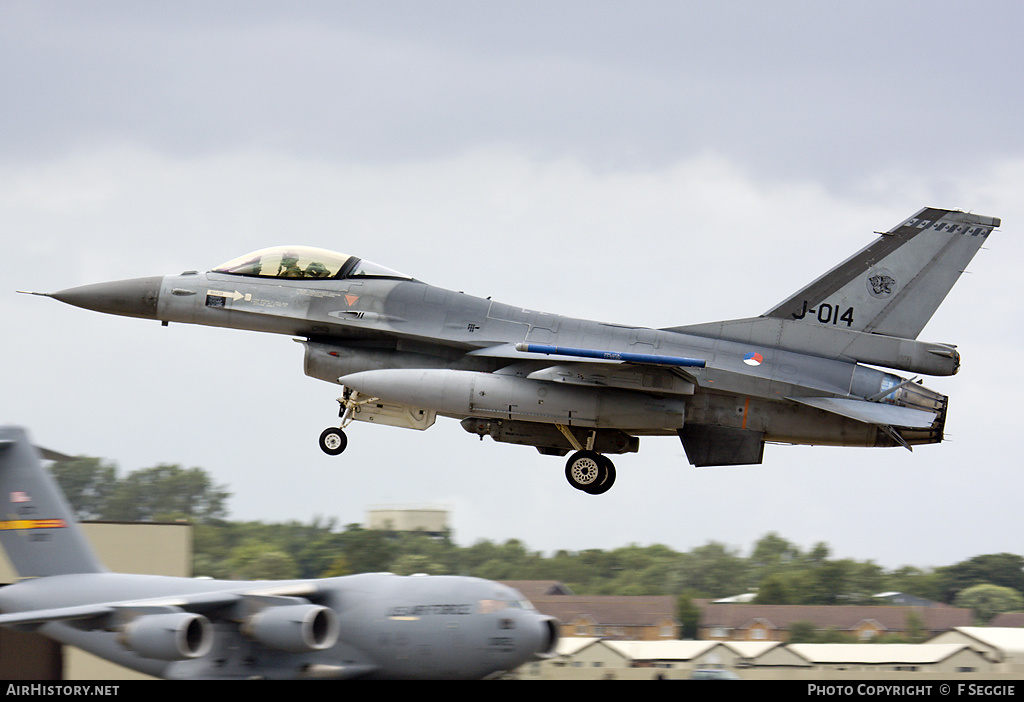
(872, 412)
(37, 617)
(628, 376)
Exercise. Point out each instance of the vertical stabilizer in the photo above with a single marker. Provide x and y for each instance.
(37, 528)
(895, 284)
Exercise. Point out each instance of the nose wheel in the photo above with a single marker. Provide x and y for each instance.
(333, 440)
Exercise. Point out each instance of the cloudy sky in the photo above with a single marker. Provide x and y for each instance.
(652, 163)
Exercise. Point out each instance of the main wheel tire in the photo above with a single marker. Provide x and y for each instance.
(606, 479)
(584, 470)
(333, 441)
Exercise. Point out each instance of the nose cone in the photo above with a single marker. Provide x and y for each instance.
(137, 297)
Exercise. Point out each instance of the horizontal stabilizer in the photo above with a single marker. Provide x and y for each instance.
(872, 412)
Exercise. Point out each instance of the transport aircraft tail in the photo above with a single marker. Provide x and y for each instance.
(37, 527)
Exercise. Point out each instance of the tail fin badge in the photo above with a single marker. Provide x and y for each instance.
(881, 283)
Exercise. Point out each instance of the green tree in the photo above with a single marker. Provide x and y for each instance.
(989, 600)
(772, 554)
(916, 632)
(259, 561)
(833, 635)
(914, 581)
(713, 570)
(338, 567)
(688, 614)
(802, 632)
(1004, 569)
(206, 566)
(829, 581)
(87, 484)
(367, 550)
(863, 581)
(818, 554)
(166, 492)
(773, 590)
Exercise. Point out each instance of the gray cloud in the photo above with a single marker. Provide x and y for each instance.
(800, 90)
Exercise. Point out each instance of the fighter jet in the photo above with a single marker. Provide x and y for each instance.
(807, 371)
(374, 625)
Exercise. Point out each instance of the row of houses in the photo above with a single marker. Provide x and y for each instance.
(655, 618)
(639, 637)
(752, 622)
(963, 653)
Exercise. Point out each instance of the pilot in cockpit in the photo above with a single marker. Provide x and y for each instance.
(305, 262)
(289, 267)
(317, 270)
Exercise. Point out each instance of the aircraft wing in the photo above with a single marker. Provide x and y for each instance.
(881, 414)
(197, 602)
(36, 617)
(872, 412)
(595, 367)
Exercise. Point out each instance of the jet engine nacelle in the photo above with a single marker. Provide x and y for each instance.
(460, 393)
(175, 636)
(294, 628)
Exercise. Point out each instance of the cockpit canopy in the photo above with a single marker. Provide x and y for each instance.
(305, 262)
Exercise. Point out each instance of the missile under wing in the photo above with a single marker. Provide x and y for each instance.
(374, 625)
(807, 371)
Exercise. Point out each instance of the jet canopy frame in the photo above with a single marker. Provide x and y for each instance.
(305, 262)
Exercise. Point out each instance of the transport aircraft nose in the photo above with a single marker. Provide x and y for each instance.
(137, 297)
(547, 637)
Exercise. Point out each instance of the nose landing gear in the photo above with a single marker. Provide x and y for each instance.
(333, 439)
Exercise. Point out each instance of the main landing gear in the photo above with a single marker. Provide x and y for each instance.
(586, 469)
(591, 472)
